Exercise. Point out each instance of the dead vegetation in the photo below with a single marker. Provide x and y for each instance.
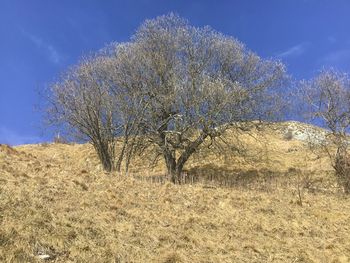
(58, 205)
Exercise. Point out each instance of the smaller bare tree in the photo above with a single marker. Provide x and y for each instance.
(328, 100)
(91, 104)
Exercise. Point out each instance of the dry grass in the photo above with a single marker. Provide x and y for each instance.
(56, 201)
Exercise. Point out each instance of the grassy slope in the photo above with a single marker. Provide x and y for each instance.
(55, 200)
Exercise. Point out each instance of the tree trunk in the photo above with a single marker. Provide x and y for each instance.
(121, 157)
(170, 162)
(107, 163)
(106, 157)
(175, 167)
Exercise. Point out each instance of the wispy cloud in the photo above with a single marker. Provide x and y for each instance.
(336, 58)
(294, 51)
(50, 51)
(11, 137)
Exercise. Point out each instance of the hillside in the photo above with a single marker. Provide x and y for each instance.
(57, 205)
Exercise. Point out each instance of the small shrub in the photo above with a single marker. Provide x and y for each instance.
(288, 135)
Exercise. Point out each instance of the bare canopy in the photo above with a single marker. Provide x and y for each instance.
(184, 84)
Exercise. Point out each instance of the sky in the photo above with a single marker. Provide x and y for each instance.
(39, 39)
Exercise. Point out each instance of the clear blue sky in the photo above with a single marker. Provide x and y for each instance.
(39, 39)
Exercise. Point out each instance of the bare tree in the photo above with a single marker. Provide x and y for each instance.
(89, 102)
(173, 86)
(195, 83)
(328, 100)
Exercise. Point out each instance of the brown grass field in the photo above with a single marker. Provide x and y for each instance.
(55, 200)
